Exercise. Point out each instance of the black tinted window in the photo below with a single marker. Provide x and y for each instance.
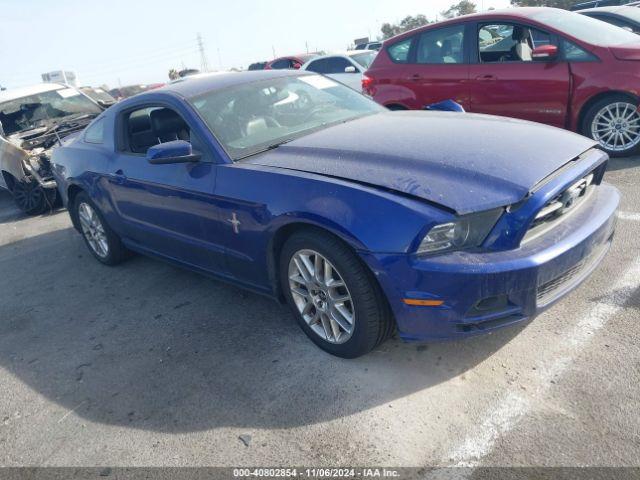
(319, 66)
(281, 65)
(338, 64)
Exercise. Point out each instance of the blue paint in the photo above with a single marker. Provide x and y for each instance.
(379, 183)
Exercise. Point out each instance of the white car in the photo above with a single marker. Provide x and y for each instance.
(347, 67)
(33, 120)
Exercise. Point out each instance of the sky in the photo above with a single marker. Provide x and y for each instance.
(118, 42)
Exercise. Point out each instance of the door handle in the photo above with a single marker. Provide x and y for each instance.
(416, 77)
(486, 78)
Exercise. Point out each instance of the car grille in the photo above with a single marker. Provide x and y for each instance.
(551, 290)
(568, 201)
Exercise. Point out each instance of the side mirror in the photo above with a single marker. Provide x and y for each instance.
(177, 151)
(545, 52)
(296, 66)
(350, 69)
(105, 103)
(446, 106)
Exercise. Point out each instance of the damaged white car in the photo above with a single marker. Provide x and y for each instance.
(32, 121)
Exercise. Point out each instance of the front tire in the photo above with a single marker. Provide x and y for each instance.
(103, 243)
(31, 198)
(614, 122)
(335, 299)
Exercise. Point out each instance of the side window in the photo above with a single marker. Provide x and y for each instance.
(574, 53)
(149, 126)
(338, 64)
(95, 133)
(319, 66)
(281, 64)
(444, 45)
(399, 52)
(509, 43)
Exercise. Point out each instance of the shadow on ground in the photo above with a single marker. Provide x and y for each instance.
(625, 163)
(150, 346)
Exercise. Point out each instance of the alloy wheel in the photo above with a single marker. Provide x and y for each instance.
(617, 126)
(321, 296)
(93, 230)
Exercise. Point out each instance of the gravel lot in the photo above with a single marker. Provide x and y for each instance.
(148, 365)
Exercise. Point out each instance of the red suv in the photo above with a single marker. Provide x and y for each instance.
(541, 64)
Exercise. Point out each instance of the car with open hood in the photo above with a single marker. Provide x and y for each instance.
(33, 120)
(438, 224)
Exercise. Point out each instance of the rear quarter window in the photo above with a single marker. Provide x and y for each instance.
(399, 52)
(95, 132)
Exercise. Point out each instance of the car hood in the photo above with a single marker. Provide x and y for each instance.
(462, 161)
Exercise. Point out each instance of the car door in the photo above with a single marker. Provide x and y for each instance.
(505, 82)
(165, 209)
(438, 69)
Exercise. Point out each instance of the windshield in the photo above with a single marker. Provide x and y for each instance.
(364, 59)
(585, 28)
(42, 109)
(253, 117)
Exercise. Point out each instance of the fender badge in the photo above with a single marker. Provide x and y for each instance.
(235, 223)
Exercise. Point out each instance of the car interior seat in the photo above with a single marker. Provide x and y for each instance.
(141, 137)
(168, 126)
(522, 49)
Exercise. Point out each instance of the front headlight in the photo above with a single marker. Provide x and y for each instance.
(465, 232)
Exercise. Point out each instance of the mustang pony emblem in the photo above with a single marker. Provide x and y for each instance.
(235, 223)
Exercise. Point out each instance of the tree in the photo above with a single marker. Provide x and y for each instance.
(464, 7)
(566, 4)
(408, 23)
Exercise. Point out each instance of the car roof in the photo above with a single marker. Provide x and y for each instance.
(13, 93)
(347, 53)
(613, 9)
(517, 12)
(191, 87)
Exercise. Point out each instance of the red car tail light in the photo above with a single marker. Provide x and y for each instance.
(367, 83)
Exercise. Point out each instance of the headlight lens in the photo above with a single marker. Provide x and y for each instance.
(466, 232)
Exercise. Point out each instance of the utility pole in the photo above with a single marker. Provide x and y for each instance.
(204, 65)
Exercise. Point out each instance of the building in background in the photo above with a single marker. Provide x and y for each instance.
(60, 76)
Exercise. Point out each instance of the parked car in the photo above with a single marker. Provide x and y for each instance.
(547, 65)
(130, 90)
(598, 3)
(369, 46)
(624, 17)
(347, 67)
(98, 95)
(257, 66)
(32, 121)
(443, 225)
(293, 62)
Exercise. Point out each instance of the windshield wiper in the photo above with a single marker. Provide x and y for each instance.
(68, 121)
(271, 146)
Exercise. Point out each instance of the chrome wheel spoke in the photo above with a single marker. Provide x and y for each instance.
(93, 230)
(321, 296)
(617, 126)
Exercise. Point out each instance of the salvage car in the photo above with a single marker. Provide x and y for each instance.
(442, 225)
(32, 121)
(541, 64)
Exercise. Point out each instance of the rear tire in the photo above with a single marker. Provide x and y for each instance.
(103, 243)
(319, 300)
(614, 122)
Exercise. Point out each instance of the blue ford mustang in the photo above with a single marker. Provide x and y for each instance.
(441, 225)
